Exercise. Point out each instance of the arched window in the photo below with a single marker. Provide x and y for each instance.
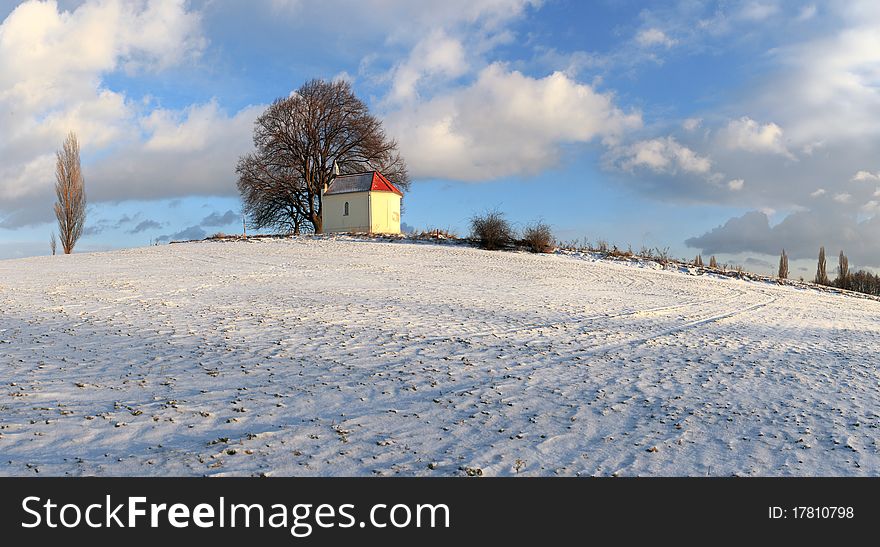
(345, 211)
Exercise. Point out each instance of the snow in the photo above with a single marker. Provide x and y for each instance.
(344, 357)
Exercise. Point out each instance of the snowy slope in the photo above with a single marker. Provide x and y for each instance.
(341, 357)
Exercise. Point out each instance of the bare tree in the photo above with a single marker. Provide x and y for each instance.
(698, 261)
(843, 271)
(821, 275)
(712, 262)
(298, 139)
(70, 209)
(53, 243)
(783, 265)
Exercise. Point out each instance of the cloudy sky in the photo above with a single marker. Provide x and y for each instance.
(733, 128)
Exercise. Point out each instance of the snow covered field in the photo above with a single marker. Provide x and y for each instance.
(342, 357)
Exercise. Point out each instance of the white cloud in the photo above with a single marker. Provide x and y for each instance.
(504, 123)
(865, 176)
(73, 48)
(662, 155)
(437, 55)
(52, 63)
(692, 124)
(747, 134)
(405, 21)
(818, 193)
(654, 37)
(758, 11)
(343, 76)
(829, 88)
(807, 12)
(871, 207)
(842, 197)
(187, 152)
(736, 185)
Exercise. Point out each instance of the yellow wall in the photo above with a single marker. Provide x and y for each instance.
(375, 212)
(358, 219)
(385, 213)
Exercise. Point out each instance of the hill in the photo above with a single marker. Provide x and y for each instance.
(346, 357)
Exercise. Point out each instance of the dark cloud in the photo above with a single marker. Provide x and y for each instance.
(125, 219)
(800, 234)
(752, 261)
(406, 228)
(197, 231)
(29, 214)
(193, 232)
(215, 219)
(144, 226)
(96, 228)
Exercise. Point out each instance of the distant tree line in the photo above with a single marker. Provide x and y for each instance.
(861, 281)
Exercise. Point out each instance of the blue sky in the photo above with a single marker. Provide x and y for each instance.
(733, 128)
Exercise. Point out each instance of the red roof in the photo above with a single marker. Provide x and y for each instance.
(371, 181)
(381, 184)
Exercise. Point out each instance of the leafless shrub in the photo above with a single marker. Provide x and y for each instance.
(602, 246)
(698, 261)
(218, 235)
(70, 209)
(619, 253)
(538, 238)
(491, 230)
(712, 262)
(53, 243)
(662, 255)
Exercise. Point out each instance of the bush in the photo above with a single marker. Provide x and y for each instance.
(539, 238)
(491, 230)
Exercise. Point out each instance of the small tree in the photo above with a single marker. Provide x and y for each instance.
(53, 243)
(70, 209)
(821, 275)
(698, 261)
(491, 230)
(843, 271)
(783, 265)
(712, 262)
